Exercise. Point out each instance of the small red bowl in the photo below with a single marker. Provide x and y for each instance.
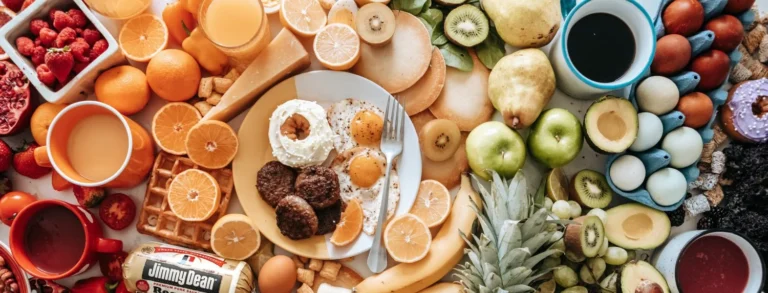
(18, 273)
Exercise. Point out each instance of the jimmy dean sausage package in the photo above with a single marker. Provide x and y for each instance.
(162, 268)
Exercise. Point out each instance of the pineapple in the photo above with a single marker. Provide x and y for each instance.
(503, 254)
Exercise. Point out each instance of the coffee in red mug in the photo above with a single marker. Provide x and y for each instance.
(52, 239)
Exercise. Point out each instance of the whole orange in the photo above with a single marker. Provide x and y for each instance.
(125, 88)
(174, 75)
(42, 119)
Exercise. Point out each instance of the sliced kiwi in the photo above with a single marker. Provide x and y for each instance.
(439, 139)
(585, 237)
(557, 185)
(450, 2)
(590, 188)
(466, 26)
(375, 24)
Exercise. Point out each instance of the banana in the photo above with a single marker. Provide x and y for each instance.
(446, 251)
(444, 288)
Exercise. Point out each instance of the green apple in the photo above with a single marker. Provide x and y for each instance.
(494, 146)
(555, 138)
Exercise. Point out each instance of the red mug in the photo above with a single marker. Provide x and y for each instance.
(52, 239)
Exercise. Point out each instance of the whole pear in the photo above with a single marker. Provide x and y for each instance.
(525, 23)
(520, 85)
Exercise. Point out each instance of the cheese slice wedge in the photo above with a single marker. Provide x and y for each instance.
(282, 58)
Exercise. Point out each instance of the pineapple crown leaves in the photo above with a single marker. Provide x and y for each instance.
(503, 254)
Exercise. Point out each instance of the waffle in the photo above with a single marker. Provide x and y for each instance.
(158, 220)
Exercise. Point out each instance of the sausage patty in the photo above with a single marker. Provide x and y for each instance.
(295, 218)
(327, 218)
(319, 186)
(275, 181)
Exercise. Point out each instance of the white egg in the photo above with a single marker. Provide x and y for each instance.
(355, 123)
(627, 172)
(649, 132)
(361, 177)
(684, 146)
(667, 186)
(657, 94)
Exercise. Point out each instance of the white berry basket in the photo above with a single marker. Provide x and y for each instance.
(82, 84)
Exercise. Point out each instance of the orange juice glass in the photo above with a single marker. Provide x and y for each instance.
(91, 144)
(239, 28)
(119, 9)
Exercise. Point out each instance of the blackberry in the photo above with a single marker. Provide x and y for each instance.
(706, 223)
(718, 212)
(677, 217)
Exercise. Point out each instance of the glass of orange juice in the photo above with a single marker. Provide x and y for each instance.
(119, 9)
(239, 28)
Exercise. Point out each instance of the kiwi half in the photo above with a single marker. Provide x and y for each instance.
(466, 26)
(585, 237)
(439, 139)
(375, 24)
(590, 188)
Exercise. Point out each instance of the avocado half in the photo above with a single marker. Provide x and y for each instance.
(640, 276)
(610, 125)
(635, 226)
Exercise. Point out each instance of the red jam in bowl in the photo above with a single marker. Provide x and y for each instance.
(712, 264)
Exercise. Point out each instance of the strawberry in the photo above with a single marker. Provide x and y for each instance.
(14, 5)
(89, 197)
(48, 36)
(66, 37)
(25, 46)
(91, 35)
(26, 4)
(60, 61)
(6, 156)
(24, 162)
(78, 17)
(98, 48)
(62, 20)
(45, 75)
(38, 55)
(80, 50)
(36, 25)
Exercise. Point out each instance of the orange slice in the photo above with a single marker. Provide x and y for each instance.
(433, 203)
(349, 226)
(234, 236)
(337, 46)
(142, 37)
(407, 239)
(211, 144)
(303, 17)
(171, 125)
(194, 195)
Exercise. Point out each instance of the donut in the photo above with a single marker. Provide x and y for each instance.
(745, 113)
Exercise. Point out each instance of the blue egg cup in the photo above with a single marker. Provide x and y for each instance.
(655, 158)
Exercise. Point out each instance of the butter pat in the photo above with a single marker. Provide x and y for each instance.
(325, 288)
(283, 57)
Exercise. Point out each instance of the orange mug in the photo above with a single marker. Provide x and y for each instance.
(77, 160)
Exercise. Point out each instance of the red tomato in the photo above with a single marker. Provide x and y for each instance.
(111, 265)
(12, 203)
(117, 211)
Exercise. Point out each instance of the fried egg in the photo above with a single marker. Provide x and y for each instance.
(361, 176)
(355, 123)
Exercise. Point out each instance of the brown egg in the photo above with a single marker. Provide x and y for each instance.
(673, 52)
(738, 6)
(713, 67)
(278, 275)
(728, 32)
(697, 108)
(683, 17)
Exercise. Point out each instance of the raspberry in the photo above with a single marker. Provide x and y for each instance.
(80, 66)
(36, 25)
(81, 51)
(52, 13)
(78, 17)
(62, 20)
(98, 48)
(45, 75)
(48, 36)
(38, 55)
(66, 36)
(26, 4)
(25, 46)
(38, 42)
(91, 35)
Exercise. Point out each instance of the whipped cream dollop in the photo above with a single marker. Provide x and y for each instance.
(300, 151)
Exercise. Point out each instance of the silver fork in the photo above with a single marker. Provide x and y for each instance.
(392, 147)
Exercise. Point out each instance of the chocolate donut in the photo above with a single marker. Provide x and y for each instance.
(745, 113)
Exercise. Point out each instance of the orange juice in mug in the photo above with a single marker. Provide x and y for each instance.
(91, 144)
